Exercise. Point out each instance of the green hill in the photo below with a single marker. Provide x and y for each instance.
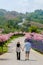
(9, 20)
(36, 16)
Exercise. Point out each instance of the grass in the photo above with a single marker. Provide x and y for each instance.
(38, 51)
(3, 48)
(13, 37)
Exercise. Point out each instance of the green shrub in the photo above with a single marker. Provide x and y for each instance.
(34, 29)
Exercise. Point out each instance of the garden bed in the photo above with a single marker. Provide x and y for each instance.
(3, 45)
(37, 45)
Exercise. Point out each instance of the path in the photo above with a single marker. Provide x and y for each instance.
(10, 57)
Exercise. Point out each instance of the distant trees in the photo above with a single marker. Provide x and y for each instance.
(9, 21)
(36, 16)
(10, 25)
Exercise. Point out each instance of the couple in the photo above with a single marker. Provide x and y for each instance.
(27, 47)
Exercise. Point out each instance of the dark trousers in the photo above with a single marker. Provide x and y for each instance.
(18, 55)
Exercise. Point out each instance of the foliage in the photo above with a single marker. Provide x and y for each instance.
(9, 20)
(36, 16)
(4, 47)
(34, 29)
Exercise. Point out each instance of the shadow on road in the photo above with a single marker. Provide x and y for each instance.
(1, 59)
(28, 60)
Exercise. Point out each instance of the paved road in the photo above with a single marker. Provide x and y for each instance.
(10, 57)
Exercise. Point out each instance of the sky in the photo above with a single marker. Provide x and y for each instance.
(21, 5)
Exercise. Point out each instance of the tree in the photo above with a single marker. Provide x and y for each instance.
(33, 29)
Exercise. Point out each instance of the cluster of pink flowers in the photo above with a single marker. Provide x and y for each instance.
(5, 37)
(34, 36)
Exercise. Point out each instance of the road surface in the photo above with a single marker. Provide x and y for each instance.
(9, 58)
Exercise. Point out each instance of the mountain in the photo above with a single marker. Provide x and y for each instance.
(9, 14)
(2, 12)
(9, 20)
(36, 16)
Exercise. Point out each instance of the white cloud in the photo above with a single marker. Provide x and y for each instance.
(21, 5)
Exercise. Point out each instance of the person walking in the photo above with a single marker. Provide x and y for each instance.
(27, 47)
(18, 50)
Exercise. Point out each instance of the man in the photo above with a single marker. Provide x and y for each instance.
(27, 47)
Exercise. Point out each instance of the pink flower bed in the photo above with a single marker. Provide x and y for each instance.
(34, 36)
(5, 37)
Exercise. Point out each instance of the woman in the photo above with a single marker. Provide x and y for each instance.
(18, 50)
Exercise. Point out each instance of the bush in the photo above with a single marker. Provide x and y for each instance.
(34, 29)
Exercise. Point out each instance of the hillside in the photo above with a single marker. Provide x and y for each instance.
(9, 20)
(36, 16)
(9, 14)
